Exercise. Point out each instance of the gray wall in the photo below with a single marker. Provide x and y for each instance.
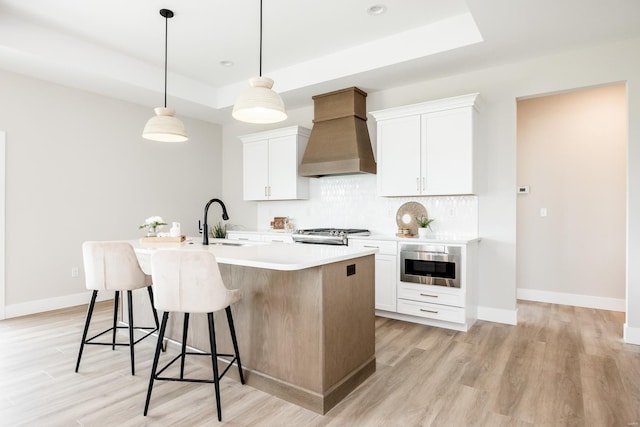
(78, 169)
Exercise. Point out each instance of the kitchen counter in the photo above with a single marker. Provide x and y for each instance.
(271, 256)
(305, 323)
(454, 240)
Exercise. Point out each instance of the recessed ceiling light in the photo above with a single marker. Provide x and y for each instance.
(226, 63)
(377, 9)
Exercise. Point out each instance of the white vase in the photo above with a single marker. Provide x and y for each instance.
(422, 232)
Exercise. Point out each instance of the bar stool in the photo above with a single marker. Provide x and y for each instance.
(190, 282)
(113, 266)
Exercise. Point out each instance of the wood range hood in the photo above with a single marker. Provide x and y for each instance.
(339, 143)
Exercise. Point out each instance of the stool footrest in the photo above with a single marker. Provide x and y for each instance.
(151, 330)
(192, 353)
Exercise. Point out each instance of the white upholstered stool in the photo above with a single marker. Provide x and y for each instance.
(190, 282)
(113, 266)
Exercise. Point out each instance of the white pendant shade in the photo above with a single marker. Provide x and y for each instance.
(165, 127)
(259, 103)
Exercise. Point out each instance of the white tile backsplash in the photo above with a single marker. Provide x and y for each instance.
(351, 201)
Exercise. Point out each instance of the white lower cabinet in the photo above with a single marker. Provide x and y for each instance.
(432, 311)
(446, 307)
(260, 237)
(386, 271)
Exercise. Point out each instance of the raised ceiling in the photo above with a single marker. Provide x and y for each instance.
(116, 47)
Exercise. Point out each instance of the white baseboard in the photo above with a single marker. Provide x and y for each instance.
(631, 335)
(48, 304)
(601, 303)
(498, 315)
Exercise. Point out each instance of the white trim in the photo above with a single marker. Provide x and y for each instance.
(631, 335)
(498, 315)
(576, 300)
(3, 165)
(39, 306)
(462, 327)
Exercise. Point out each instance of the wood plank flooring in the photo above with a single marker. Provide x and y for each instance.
(560, 366)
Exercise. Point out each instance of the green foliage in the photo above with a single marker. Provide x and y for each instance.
(219, 231)
(424, 221)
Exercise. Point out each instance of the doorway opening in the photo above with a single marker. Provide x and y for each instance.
(571, 202)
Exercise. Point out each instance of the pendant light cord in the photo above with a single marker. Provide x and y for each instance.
(166, 38)
(260, 74)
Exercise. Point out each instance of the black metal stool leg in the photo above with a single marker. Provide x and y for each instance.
(185, 327)
(214, 362)
(94, 294)
(232, 329)
(131, 349)
(156, 358)
(153, 307)
(116, 299)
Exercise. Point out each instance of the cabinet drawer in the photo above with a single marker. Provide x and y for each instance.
(244, 236)
(423, 294)
(432, 311)
(277, 239)
(385, 247)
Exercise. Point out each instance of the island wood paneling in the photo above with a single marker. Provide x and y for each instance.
(307, 336)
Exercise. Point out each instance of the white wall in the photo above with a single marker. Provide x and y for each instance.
(78, 169)
(572, 150)
(500, 87)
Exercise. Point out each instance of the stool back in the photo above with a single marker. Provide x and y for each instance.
(189, 282)
(112, 266)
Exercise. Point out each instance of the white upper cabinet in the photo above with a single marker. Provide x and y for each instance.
(270, 164)
(427, 149)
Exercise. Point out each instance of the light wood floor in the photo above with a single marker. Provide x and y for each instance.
(560, 366)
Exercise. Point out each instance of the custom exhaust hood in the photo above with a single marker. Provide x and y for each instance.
(339, 143)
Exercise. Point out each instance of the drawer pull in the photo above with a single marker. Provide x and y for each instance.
(372, 246)
(243, 238)
(429, 311)
(428, 295)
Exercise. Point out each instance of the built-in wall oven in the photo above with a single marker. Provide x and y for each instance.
(430, 264)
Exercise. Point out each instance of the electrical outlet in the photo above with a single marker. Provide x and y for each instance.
(75, 272)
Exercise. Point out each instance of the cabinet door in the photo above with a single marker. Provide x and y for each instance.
(283, 168)
(399, 156)
(386, 279)
(255, 172)
(448, 139)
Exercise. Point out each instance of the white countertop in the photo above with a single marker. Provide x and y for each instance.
(271, 256)
(454, 240)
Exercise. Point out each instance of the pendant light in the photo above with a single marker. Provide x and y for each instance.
(259, 103)
(165, 126)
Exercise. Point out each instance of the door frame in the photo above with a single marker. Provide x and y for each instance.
(2, 222)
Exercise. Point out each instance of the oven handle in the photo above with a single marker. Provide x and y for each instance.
(427, 256)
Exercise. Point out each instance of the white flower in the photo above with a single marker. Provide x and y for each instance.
(153, 222)
(152, 219)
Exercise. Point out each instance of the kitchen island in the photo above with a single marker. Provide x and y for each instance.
(305, 323)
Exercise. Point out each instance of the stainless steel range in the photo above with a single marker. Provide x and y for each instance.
(328, 236)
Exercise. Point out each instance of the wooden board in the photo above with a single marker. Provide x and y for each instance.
(163, 239)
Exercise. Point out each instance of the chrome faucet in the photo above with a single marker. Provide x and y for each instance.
(205, 227)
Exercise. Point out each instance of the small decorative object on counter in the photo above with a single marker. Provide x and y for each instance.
(289, 225)
(279, 223)
(404, 232)
(424, 224)
(219, 231)
(175, 229)
(152, 224)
